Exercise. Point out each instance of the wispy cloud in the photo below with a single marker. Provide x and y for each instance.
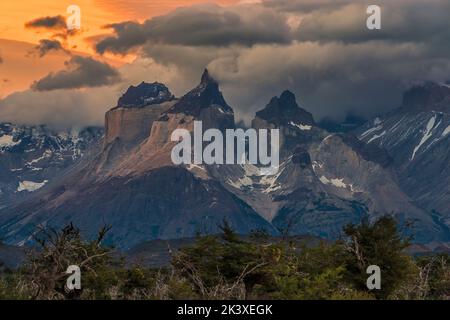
(47, 45)
(52, 23)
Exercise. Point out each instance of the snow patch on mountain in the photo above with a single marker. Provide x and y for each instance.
(427, 135)
(338, 183)
(7, 141)
(369, 131)
(32, 154)
(376, 136)
(446, 131)
(302, 127)
(241, 182)
(30, 186)
(45, 155)
(316, 165)
(270, 183)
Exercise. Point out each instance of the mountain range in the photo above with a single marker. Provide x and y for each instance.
(32, 156)
(396, 164)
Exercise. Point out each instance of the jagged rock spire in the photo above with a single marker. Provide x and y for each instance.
(205, 95)
(207, 78)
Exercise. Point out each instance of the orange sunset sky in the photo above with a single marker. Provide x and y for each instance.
(18, 72)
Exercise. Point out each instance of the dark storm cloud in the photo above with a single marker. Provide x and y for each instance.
(46, 45)
(204, 25)
(304, 5)
(54, 23)
(329, 79)
(129, 35)
(328, 56)
(401, 21)
(82, 72)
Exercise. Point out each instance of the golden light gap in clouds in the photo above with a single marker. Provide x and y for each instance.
(18, 40)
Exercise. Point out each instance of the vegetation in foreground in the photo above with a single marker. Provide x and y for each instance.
(227, 267)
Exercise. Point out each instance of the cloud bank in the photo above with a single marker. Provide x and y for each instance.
(201, 26)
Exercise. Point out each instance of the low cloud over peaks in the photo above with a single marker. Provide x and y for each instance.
(81, 72)
(202, 25)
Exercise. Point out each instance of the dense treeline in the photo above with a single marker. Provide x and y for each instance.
(229, 267)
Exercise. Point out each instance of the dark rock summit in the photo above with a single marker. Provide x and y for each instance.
(205, 103)
(205, 95)
(285, 110)
(428, 96)
(145, 94)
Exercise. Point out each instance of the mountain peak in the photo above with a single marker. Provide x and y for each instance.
(207, 78)
(288, 98)
(206, 94)
(284, 110)
(145, 94)
(427, 96)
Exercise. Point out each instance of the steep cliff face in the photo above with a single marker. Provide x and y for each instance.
(132, 125)
(131, 121)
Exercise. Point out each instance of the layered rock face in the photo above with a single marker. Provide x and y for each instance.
(204, 103)
(132, 125)
(132, 119)
(128, 125)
